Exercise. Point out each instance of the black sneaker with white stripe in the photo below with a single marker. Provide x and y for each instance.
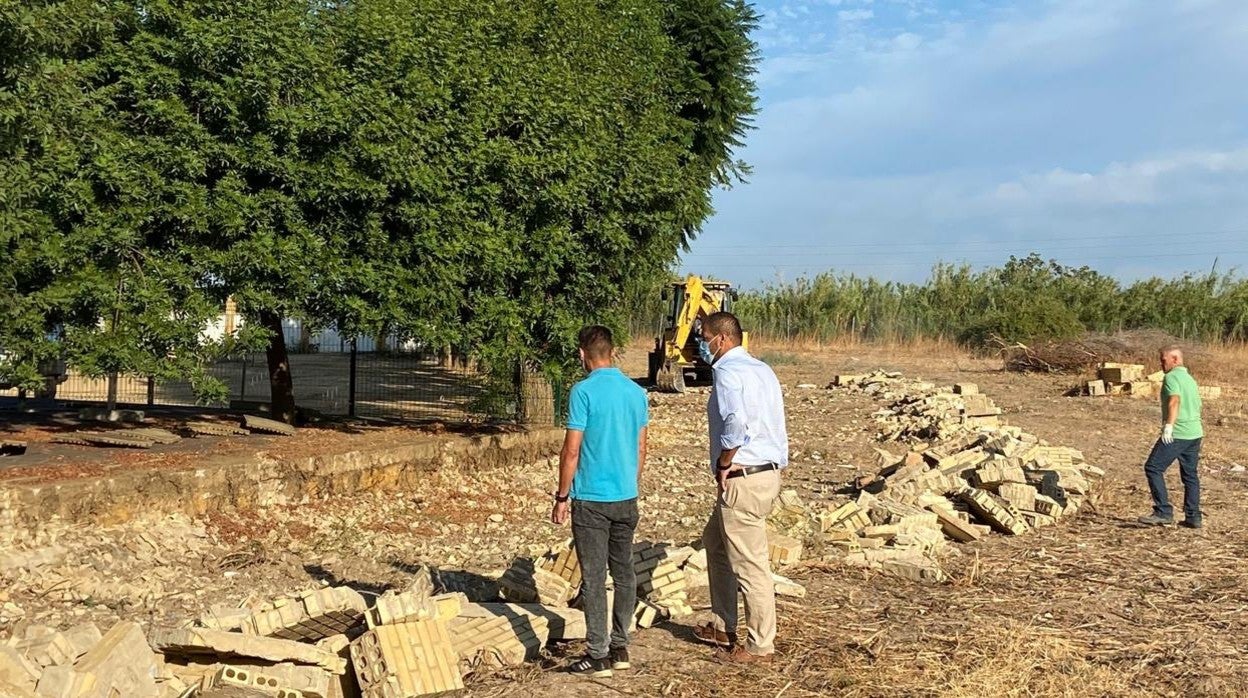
(619, 658)
(593, 668)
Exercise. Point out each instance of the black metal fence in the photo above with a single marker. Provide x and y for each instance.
(342, 380)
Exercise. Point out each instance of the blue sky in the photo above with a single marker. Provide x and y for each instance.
(897, 133)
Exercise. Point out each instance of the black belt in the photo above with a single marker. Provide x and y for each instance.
(753, 469)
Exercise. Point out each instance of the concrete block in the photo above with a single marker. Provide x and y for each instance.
(45, 647)
(562, 560)
(204, 642)
(1047, 505)
(405, 660)
(647, 614)
(397, 607)
(63, 682)
(524, 582)
(224, 617)
(264, 425)
(696, 561)
(914, 570)
(996, 473)
(1094, 388)
(278, 679)
(498, 641)
(788, 587)
(1023, 497)
(1120, 373)
(312, 616)
(344, 685)
(996, 512)
(784, 550)
(123, 663)
(953, 525)
(965, 389)
(562, 623)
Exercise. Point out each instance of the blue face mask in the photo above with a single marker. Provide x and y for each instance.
(704, 351)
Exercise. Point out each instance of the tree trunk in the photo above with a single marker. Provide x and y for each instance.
(111, 400)
(281, 387)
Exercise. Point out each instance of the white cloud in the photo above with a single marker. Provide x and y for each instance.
(854, 15)
(1145, 182)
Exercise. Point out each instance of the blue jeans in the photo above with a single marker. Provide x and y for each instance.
(1187, 452)
(603, 535)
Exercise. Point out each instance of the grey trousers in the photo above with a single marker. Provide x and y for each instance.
(603, 535)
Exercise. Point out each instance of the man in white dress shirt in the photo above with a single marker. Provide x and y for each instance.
(749, 448)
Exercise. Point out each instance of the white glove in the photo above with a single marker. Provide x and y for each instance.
(1167, 434)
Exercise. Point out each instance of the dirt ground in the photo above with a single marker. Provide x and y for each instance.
(1095, 606)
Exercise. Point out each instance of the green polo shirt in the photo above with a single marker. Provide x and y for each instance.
(1179, 382)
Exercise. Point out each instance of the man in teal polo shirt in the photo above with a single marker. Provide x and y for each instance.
(1181, 434)
(604, 452)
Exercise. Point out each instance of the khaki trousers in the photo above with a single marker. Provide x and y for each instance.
(737, 558)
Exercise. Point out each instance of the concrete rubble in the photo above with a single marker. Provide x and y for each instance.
(966, 474)
(333, 643)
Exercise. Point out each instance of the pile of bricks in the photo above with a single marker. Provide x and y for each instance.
(332, 643)
(1129, 379)
(967, 474)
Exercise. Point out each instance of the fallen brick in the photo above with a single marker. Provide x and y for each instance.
(952, 525)
(499, 641)
(523, 582)
(198, 642)
(788, 587)
(406, 660)
(120, 664)
(914, 570)
(1023, 497)
(562, 623)
(647, 614)
(45, 647)
(303, 681)
(267, 426)
(784, 550)
(998, 513)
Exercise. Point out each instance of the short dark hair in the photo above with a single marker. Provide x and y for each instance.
(597, 342)
(725, 323)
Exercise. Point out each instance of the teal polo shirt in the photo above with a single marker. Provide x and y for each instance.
(610, 409)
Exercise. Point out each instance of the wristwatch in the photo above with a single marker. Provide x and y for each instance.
(562, 499)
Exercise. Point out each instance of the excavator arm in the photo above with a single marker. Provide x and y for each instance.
(698, 303)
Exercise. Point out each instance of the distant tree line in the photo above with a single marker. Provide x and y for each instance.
(1024, 300)
(483, 173)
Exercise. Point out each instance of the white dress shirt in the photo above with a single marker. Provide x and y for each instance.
(746, 411)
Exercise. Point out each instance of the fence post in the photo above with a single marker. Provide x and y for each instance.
(242, 392)
(351, 380)
(151, 391)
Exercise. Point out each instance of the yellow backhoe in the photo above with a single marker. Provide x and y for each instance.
(676, 347)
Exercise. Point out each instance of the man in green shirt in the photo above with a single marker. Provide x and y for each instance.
(1181, 434)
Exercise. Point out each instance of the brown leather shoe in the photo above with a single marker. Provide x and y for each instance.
(707, 633)
(739, 655)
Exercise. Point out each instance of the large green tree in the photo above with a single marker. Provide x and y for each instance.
(484, 173)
